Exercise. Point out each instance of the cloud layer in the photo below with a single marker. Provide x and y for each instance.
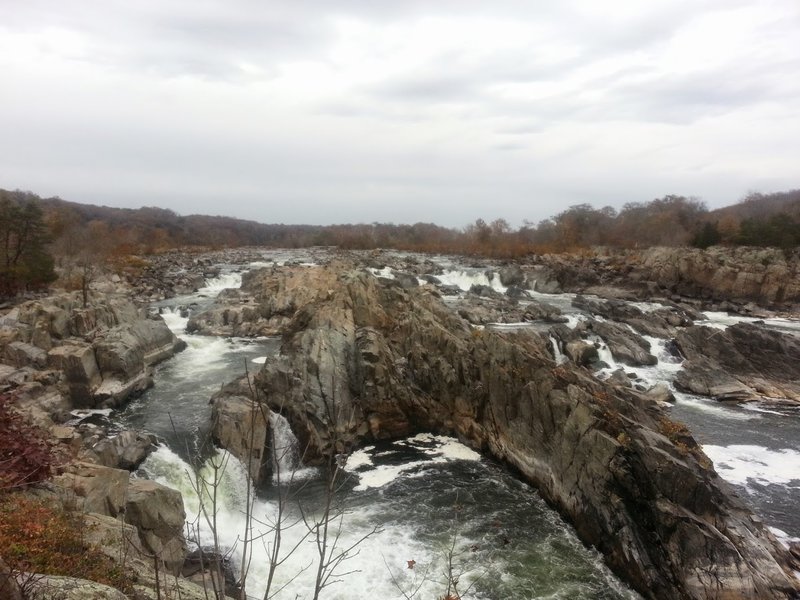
(360, 111)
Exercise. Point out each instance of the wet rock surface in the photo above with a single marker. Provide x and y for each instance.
(396, 361)
(743, 362)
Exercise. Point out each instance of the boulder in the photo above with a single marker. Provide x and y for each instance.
(49, 587)
(743, 362)
(77, 361)
(157, 513)
(126, 450)
(406, 280)
(22, 354)
(126, 350)
(625, 345)
(581, 353)
(241, 426)
(93, 488)
(512, 275)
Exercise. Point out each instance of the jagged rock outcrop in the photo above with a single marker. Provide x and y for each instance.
(103, 351)
(730, 278)
(241, 426)
(625, 345)
(158, 515)
(125, 450)
(364, 360)
(93, 488)
(743, 362)
(661, 322)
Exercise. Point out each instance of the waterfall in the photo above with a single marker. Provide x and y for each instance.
(557, 354)
(285, 453)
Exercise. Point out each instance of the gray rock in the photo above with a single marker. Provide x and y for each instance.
(55, 587)
(157, 513)
(93, 488)
(22, 354)
(512, 275)
(241, 426)
(390, 362)
(126, 450)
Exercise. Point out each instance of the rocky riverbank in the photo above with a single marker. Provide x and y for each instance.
(65, 365)
(379, 345)
(744, 280)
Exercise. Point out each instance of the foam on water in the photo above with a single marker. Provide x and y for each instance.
(700, 404)
(436, 450)
(557, 354)
(259, 360)
(176, 323)
(385, 272)
(723, 320)
(388, 550)
(464, 280)
(741, 464)
(224, 281)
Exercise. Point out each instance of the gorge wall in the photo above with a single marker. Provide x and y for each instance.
(365, 358)
(766, 276)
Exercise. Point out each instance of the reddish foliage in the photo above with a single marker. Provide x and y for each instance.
(25, 455)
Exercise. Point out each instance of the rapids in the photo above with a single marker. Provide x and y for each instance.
(426, 499)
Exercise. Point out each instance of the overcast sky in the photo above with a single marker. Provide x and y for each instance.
(332, 111)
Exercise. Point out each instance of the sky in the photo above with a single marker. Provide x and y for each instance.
(444, 111)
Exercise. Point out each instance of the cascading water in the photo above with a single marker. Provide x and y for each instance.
(423, 494)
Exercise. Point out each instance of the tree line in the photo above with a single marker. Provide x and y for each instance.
(38, 234)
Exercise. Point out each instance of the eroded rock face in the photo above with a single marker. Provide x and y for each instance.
(767, 276)
(364, 360)
(241, 426)
(157, 513)
(743, 362)
(103, 351)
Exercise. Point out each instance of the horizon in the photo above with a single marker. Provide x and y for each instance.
(364, 112)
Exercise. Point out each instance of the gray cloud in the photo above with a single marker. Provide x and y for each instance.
(315, 111)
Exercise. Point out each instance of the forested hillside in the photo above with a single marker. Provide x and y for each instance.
(80, 237)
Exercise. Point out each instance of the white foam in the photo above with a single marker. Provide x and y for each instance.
(176, 323)
(385, 272)
(259, 360)
(713, 406)
(740, 464)
(440, 449)
(784, 538)
(216, 284)
(392, 546)
(464, 280)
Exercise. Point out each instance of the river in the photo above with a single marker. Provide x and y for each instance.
(429, 500)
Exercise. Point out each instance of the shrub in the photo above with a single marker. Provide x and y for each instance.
(25, 455)
(39, 537)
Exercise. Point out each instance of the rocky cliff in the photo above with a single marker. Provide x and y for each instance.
(765, 276)
(365, 358)
(101, 354)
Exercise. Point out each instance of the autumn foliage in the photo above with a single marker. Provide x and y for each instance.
(26, 457)
(43, 538)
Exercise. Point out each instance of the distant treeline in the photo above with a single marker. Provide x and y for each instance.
(81, 234)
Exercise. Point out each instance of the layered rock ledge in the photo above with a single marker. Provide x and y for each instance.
(365, 358)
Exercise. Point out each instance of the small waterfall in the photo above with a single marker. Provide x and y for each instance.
(557, 354)
(285, 447)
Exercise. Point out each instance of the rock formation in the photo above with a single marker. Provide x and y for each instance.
(743, 362)
(364, 358)
(726, 278)
(102, 353)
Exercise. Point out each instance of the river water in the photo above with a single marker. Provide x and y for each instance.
(416, 505)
